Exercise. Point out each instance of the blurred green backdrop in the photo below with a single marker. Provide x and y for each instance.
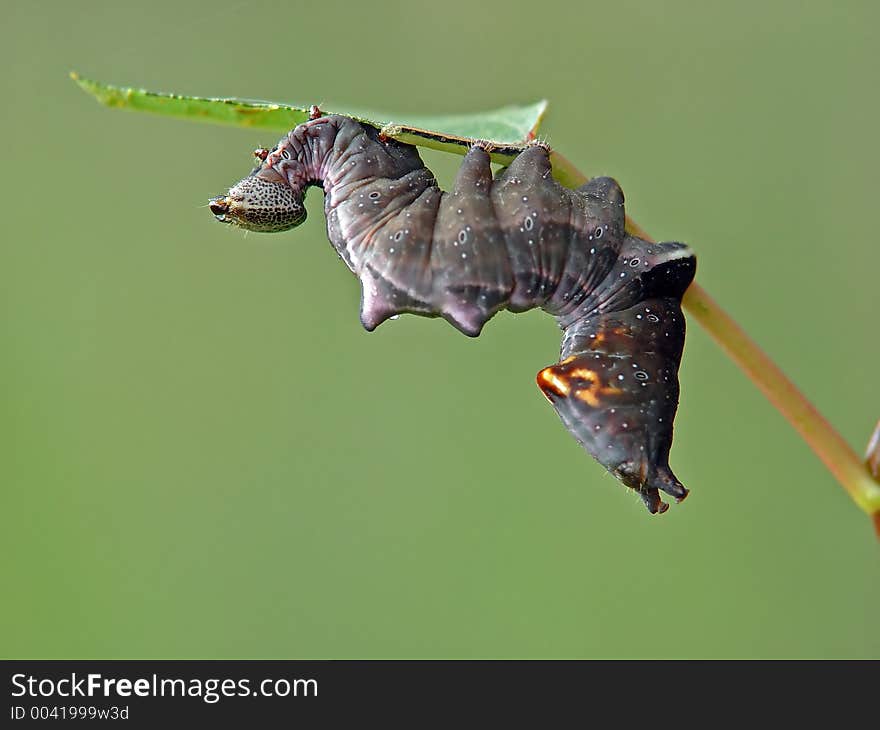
(203, 455)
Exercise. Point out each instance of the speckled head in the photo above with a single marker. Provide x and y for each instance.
(260, 204)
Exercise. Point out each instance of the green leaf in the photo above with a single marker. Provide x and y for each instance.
(508, 128)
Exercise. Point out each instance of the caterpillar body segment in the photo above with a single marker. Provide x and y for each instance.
(516, 241)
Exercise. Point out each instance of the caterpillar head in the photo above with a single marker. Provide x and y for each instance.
(258, 203)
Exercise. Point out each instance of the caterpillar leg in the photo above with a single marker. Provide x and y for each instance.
(616, 390)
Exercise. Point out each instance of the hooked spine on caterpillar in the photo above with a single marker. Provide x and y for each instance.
(517, 241)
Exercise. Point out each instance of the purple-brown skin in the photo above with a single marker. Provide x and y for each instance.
(517, 242)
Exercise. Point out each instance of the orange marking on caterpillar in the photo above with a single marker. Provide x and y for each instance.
(548, 379)
(588, 396)
(584, 374)
(595, 391)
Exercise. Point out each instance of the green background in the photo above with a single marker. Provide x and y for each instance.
(203, 455)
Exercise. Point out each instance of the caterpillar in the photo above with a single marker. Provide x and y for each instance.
(517, 241)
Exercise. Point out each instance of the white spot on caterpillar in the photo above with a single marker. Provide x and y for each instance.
(681, 253)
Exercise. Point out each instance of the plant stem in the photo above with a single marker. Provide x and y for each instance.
(838, 456)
